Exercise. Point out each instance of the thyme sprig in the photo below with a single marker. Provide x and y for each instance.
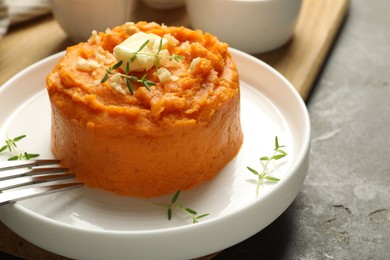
(265, 160)
(10, 145)
(131, 78)
(157, 56)
(176, 204)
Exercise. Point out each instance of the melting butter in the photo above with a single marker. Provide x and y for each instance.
(145, 58)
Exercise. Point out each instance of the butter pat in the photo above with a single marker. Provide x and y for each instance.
(146, 58)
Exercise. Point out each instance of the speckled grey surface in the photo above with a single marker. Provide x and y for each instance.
(343, 209)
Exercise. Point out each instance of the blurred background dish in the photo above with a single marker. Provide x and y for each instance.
(79, 17)
(253, 26)
(18, 11)
(164, 4)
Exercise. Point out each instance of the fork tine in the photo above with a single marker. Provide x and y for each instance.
(20, 194)
(29, 172)
(30, 180)
(9, 165)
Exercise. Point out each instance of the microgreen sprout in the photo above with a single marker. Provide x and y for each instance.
(131, 78)
(265, 160)
(10, 145)
(176, 204)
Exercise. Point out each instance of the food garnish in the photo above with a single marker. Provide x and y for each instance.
(175, 204)
(10, 145)
(265, 160)
(129, 78)
(147, 55)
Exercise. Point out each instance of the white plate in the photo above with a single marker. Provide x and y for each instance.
(93, 224)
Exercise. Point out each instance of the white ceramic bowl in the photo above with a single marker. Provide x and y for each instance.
(253, 26)
(79, 17)
(164, 4)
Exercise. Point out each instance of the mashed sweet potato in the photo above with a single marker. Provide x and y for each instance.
(177, 135)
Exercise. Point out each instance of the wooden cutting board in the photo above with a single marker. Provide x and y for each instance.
(302, 58)
(299, 61)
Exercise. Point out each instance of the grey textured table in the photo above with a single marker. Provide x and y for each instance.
(343, 209)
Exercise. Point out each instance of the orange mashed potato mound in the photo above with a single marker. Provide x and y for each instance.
(174, 137)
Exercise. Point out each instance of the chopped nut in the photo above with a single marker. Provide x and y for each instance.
(95, 38)
(163, 75)
(171, 39)
(116, 78)
(185, 45)
(194, 63)
(87, 65)
(117, 87)
(131, 28)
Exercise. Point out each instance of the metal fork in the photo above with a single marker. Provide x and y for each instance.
(19, 179)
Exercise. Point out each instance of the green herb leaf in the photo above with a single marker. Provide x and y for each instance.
(191, 211)
(18, 138)
(252, 170)
(133, 78)
(25, 156)
(13, 158)
(128, 84)
(3, 148)
(159, 46)
(105, 77)
(177, 58)
(180, 205)
(175, 197)
(142, 46)
(29, 156)
(127, 68)
(150, 83)
(278, 154)
(10, 144)
(276, 143)
(132, 59)
(158, 52)
(146, 84)
(202, 216)
(270, 178)
(117, 65)
(282, 152)
(176, 204)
